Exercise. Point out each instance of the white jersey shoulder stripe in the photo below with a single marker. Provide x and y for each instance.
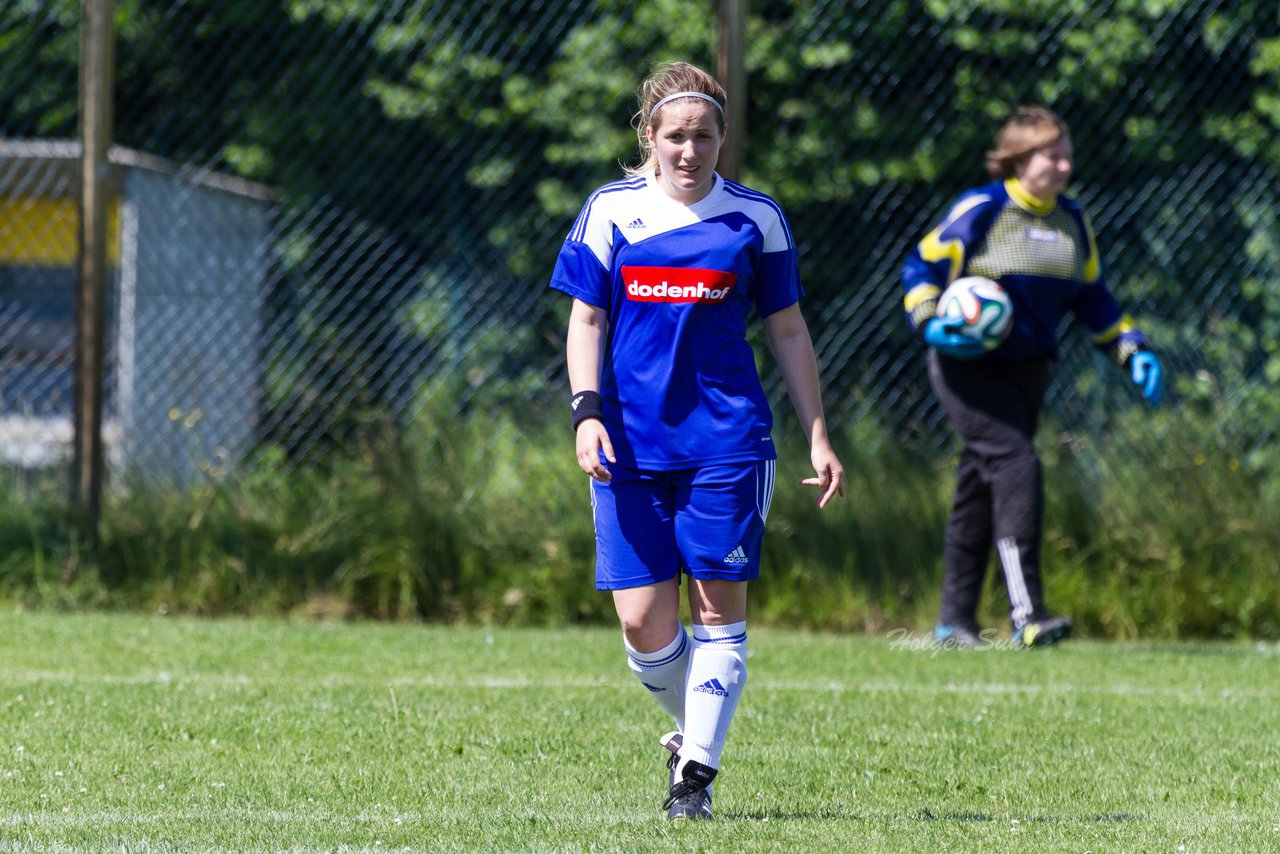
(738, 191)
(748, 193)
(580, 225)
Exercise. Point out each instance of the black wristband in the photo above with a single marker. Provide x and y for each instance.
(584, 405)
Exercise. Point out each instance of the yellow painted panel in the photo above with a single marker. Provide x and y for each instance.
(45, 232)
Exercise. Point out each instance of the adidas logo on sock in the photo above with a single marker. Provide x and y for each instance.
(654, 688)
(737, 556)
(712, 686)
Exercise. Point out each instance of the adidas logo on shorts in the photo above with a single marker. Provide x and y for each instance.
(735, 557)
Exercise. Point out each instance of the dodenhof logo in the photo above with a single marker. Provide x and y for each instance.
(677, 284)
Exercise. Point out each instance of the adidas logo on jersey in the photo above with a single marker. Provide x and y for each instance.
(636, 223)
(712, 686)
(737, 556)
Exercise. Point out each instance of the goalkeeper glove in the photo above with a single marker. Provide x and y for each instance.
(939, 334)
(1145, 370)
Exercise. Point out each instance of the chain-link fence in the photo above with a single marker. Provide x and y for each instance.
(329, 210)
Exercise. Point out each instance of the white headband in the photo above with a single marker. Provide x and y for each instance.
(659, 105)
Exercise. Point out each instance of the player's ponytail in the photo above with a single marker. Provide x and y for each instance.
(668, 79)
(1025, 130)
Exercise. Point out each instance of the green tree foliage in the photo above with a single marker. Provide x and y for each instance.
(39, 53)
(432, 154)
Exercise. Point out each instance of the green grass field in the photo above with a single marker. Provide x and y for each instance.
(132, 733)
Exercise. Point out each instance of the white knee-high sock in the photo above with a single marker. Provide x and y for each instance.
(665, 673)
(717, 675)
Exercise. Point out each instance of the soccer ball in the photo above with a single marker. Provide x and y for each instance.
(982, 306)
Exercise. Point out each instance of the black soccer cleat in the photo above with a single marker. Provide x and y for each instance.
(689, 797)
(694, 805)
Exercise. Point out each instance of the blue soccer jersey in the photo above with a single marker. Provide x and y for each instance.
(679, 381)
(1045, 257)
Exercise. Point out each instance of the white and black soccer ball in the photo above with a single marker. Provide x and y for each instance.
(982, 307)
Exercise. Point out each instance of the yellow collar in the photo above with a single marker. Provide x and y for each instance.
(1025, 200)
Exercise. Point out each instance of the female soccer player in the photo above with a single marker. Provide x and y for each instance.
(672, 425)
(1036, 242)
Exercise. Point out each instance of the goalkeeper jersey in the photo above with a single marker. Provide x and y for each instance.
(678, 380)
(1045, 257)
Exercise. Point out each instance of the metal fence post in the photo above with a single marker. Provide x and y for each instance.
(96, 87)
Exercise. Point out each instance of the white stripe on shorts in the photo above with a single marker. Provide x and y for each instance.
(766, 475)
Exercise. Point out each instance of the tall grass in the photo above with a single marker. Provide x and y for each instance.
(1178, 540)
(489, 521)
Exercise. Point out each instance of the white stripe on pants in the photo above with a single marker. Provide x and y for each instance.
(1007, 547)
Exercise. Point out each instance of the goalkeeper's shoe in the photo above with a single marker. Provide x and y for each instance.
(955, 635)
(1043, 632)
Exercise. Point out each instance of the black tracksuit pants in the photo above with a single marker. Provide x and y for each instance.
(994, 406)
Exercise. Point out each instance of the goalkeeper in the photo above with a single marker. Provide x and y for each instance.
(1037, 243)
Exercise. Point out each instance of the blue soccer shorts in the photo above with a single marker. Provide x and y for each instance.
(707, 522)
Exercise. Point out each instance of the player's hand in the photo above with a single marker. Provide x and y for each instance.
(940, 334)
(830, 477)
(592, 439)
(1144, 369)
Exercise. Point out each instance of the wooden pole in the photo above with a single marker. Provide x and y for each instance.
(731, 69)
(97, 67)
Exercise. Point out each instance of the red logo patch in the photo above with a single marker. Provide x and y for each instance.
(677, 284)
